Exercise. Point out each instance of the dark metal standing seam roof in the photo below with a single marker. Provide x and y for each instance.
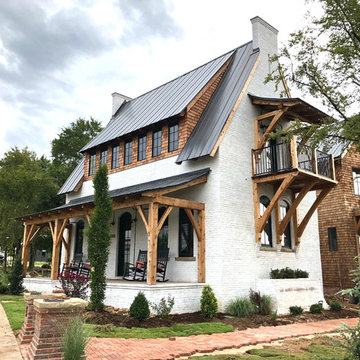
(161, 103)
(74, 178)
(159, 184)
(207, 131)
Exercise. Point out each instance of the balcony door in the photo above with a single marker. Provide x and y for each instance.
(124, 243)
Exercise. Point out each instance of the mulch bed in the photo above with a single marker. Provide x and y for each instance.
(120, 317)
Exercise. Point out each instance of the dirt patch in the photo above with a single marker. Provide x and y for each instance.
(120, 317)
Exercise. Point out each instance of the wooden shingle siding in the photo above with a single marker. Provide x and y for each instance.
(186, 126)
(337, 211)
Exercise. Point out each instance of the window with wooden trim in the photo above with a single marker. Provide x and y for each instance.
(164, 231)
(356, 178)
(92, 163)
(186, 235)
(79, 238)
(141, 147)
(286, 236)
(115, 157)
(266, 235)
(156, 143)
(103, 156)
(332, 239)
(173, 140)
(128, 152)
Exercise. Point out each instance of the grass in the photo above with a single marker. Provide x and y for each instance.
(325, 350)
(15, 310)
(182, 330)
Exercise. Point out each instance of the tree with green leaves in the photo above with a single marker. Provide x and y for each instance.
(65, 147)
(99, 238)
(323, 60)
(26, 187)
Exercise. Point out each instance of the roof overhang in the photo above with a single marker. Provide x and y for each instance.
(295, 108)
(129, 196)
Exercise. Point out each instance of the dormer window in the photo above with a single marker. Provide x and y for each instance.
(128, 152)
(142, 147)
(92, 162)
(115, 157)
(103, 156)
(156, 143)
(173, 137)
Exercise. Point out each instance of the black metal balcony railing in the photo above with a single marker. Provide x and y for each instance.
(278, 157)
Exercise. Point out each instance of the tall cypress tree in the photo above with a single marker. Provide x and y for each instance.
(99, 238)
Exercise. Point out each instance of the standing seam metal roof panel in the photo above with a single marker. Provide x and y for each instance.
(161, 103)
(74, 178)
(208, 129)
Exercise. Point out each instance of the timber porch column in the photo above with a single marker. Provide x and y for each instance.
(152, 243)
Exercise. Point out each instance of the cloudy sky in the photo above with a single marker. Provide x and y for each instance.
(60, 60)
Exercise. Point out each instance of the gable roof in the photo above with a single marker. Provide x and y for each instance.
(213, 119)
(73, 180)
(166, 101)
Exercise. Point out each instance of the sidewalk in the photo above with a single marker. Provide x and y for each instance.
(153, 349)
(9, 348)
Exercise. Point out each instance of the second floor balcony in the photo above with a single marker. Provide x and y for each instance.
(285, 157)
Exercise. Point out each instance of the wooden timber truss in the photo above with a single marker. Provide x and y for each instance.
(58, 221)
(293, 177)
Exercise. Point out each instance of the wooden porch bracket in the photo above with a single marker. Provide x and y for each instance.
(29, 237)
(311, 211)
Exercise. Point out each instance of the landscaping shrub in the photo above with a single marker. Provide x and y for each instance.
(163, 309)
(139, 308)
(241, 307)
(355, 291)
(208, 302)
(335, 306)
(350, 341)
(74, 340)
(316, 308)
(46, 266)
(74, 285)
(263, 304)
(296, 310)
(4, 289)
(16, 278)
(287, 273)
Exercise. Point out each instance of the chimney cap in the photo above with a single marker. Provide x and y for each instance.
(258, 19)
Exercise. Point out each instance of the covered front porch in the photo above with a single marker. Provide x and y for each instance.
(152, 206)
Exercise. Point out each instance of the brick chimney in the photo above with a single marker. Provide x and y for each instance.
(118, 100)
(264, 36)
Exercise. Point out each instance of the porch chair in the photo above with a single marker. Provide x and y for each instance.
(74, 266)
(136, 271)
(162, 260)
(85, 269)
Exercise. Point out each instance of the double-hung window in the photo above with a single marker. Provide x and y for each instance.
(115, 157)
(142, 147)
(356, 178)
(128, 152)
(156, 143)
(92, 162)
(173, 137)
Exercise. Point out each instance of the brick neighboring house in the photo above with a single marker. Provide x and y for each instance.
(339, 222)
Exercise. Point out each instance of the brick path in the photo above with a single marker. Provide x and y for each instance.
(164, 349)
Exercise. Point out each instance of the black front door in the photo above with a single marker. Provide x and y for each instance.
(124, 242)
(273, 155)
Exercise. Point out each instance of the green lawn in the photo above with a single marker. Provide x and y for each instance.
(15, 310)
(162, 332)
(324, 351)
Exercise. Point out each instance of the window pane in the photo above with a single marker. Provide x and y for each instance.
(332, 239)
(115, 157)
(164, 232)
(266, 235)
(142, 148)
(173, 137)
(286, 236)
(128, 152)
(156, 145)
(103, 156)
(186, 233)
(92, 163)
(356, 177)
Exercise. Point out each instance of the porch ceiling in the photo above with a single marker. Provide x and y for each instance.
(125, 197)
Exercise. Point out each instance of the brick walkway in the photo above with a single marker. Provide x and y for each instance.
(164, 349)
